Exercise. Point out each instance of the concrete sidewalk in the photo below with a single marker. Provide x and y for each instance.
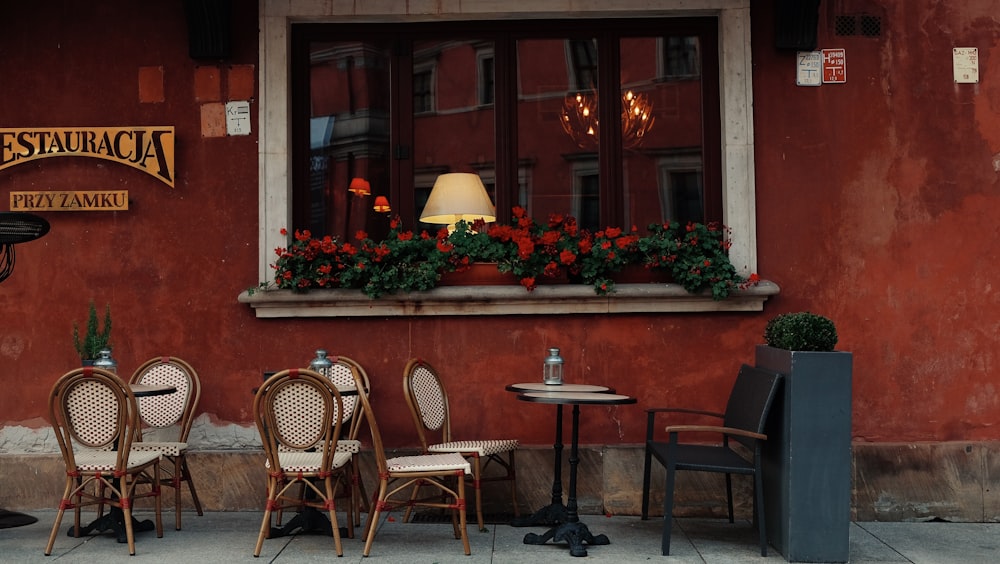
(230, 537)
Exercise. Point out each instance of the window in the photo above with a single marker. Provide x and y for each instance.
(486, 77)
(423, 89)
(583, 64)
(281, 156)
(568, 94)
(680, 56)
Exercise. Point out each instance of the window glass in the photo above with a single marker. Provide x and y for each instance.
(662, 126)
(348, 136)
(609, 127)
(459, 136)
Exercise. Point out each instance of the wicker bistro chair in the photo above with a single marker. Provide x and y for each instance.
(428, 401)
(341, 375)
(94, 417)
(398, 475)
(743, 422)
(297, 412)
(167, 422)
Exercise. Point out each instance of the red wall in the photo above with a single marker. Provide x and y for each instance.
(875, 205)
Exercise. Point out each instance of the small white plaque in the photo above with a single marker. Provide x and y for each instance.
(238, 118)
(809, 68)
(965, 61)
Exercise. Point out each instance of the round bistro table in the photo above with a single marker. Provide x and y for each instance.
(572, 530)
(555, 512)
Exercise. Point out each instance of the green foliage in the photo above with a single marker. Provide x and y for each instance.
(801, 331)
(696, 255)
(95, 338)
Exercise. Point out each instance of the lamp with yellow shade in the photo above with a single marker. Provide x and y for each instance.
(458, 196)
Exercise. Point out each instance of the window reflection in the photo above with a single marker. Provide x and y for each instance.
(448, 94)
(348, 135)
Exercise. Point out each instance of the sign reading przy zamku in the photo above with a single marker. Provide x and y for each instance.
(147, 148)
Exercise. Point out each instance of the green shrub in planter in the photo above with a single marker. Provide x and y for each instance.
(801, 331)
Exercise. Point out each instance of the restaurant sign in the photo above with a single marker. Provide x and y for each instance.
(146, 148)
(93, 200)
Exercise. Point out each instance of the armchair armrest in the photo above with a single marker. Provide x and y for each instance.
(675, 429)
(651, 416)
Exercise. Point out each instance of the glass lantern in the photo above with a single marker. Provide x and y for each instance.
(552, 368)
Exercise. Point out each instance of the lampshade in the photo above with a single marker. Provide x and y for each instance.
(381, 204)
(360, 186)
(458, 196)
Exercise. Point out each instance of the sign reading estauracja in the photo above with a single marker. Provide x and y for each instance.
(146, 148)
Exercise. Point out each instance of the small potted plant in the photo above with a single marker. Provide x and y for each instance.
(807, 455)
(96, 336)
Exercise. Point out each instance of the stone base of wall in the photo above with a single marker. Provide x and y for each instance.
(891, 482)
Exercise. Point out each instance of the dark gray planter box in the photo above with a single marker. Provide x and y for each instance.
(807, 455)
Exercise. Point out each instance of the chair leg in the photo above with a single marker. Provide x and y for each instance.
(477, 481)
(374, 510)
(265, 525)
(646, 471)
(65, 502)
(758, 503)
(461, 515)
(668, 510)
(729, 496)
(512, 472)
(186, 476)
(332, 507)
(125, 502)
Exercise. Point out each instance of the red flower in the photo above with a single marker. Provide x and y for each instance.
(361, 235)
(405, 236)
(567, 257)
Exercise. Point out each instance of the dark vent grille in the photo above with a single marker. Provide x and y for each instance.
(865, 26)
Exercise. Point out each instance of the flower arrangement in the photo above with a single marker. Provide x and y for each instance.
(695, 255)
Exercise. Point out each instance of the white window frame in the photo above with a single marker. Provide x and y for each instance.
(274, 157)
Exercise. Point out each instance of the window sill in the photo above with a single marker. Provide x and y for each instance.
(503, 300)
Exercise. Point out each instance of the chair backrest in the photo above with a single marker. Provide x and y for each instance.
(428, 401)
(341, 374)
(168, 417)
(750, 400)
(298, 410)
(93, 409)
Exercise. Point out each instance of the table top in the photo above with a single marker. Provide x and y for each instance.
(146, 390)
(576, 398)
(541, 387)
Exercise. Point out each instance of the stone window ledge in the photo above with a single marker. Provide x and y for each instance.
(503, 300)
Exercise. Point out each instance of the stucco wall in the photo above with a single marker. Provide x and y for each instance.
(875, 206)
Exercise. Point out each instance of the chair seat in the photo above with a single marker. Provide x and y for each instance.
(349, 445)
(429, 463)
(707, 458)
(164, 448)
(308, 461)
(104, 460)
(481, 447)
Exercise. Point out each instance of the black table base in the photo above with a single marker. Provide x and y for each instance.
(575, 534)
(552, 514)
(113, 520)
(309, 520)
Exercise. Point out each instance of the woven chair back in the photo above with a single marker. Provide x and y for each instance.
(91, 408)
(169, 415)
(298, 410)
(428, 401)
(341, 374)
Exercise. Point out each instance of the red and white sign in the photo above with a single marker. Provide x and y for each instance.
(834, 66)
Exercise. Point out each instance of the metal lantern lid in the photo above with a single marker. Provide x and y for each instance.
(321, 364)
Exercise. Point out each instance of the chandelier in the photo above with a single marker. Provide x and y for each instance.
(579, 119)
